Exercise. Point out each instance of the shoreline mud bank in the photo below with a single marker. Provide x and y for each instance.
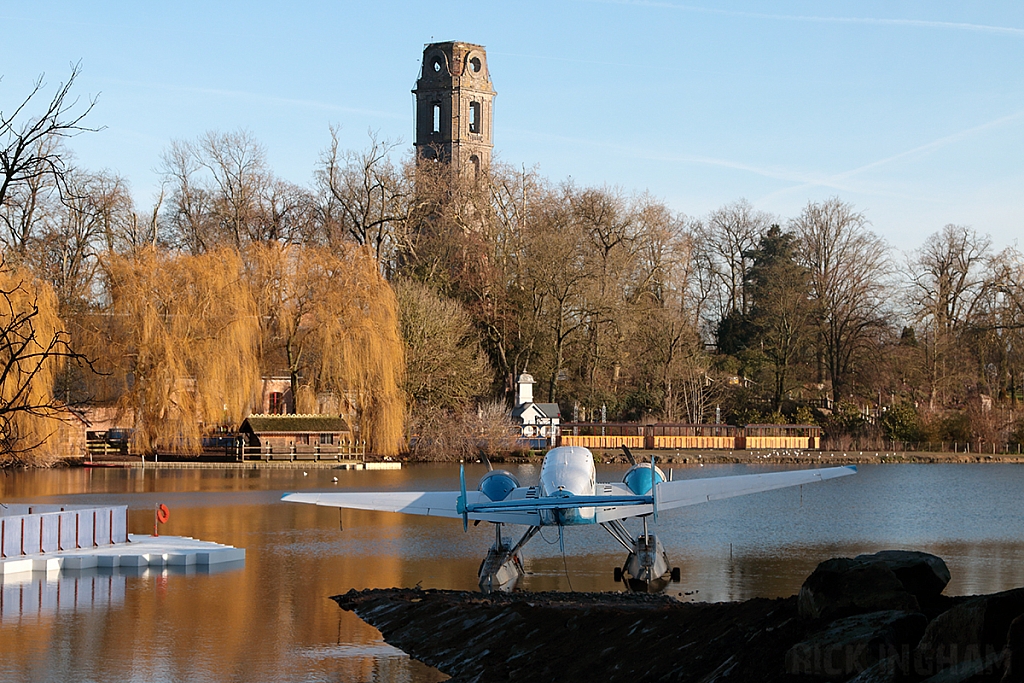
(873, 618)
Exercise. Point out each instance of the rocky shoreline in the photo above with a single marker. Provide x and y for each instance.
(870, 619)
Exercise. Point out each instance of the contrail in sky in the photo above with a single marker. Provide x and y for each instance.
(834, 181)
(916, 23)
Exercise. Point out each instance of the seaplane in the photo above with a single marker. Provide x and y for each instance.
(568, 494)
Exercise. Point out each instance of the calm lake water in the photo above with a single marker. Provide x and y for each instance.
(270, 619)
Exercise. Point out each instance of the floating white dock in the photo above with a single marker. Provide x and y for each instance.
(139, 551)
(49, 538)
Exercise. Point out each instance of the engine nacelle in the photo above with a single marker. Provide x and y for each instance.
(497, 484)
(638, 478)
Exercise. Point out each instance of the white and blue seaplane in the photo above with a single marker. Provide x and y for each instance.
(568, 494)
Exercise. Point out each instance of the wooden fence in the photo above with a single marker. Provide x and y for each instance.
(680, 436)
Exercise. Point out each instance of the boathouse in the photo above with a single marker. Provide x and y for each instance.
(269, 435)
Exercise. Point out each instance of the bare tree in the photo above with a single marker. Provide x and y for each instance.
(846, 264)
(65, 251)
(366, 198)
(611, 225)
(222, 192)
(241, 183)
(504, 304)
(188, 203)
(557, 265)
(445, 367)
(29, 204)
(949, 277)
(464, 434)
(27, 150)
(729, 235)
(996, 330)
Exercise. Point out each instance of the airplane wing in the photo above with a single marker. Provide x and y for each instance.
(612, 501)
(676, 494)
(429, 503)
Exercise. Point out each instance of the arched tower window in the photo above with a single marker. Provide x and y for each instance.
(475, 125)
(437, 118)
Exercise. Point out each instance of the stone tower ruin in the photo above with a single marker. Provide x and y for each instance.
(454, 100)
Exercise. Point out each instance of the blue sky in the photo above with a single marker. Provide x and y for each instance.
(912, 111)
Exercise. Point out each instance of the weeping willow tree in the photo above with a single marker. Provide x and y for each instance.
(34, 347)
(184, 342)
(332, 321)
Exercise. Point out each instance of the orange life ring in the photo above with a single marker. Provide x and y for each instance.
(162, 513)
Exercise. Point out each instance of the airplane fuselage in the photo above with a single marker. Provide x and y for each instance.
(568, 471)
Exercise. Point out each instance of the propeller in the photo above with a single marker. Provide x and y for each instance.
(487, 461)
(629, 454)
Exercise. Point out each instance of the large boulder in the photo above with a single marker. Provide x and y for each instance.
(854, 644)
(842, 587)
(922, 574)
(977, 629)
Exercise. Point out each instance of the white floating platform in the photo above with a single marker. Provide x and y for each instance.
(140, 551)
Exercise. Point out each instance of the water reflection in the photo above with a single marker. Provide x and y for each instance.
(271, 620)
(30, 596)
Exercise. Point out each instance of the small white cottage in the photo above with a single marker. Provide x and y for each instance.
(537, 421)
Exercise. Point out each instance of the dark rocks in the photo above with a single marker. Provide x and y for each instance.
(583, 637)
(923, 575)
(851, 645)
(842, 587)
(877, 618)
(977, 629)
(888, 580)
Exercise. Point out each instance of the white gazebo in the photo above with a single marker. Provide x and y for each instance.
(536, 420)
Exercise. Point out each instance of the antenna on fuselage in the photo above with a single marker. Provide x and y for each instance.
(460, 506)
(654, 490)
(629, 454)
